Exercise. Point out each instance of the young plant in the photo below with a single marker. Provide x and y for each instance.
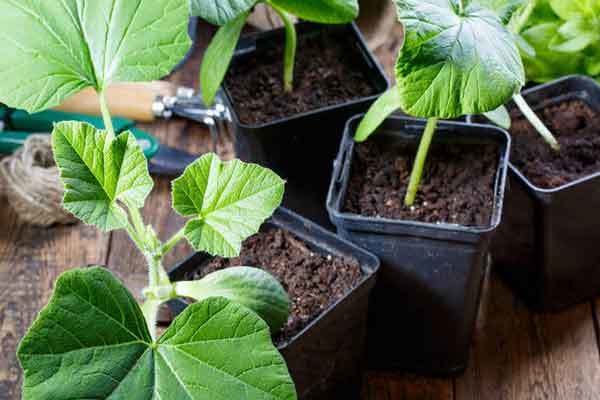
(458, 58)
(231, 15)
(93, 340)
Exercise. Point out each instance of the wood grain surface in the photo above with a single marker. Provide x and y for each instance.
(516, 355)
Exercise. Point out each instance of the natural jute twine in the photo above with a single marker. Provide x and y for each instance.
(30, 181)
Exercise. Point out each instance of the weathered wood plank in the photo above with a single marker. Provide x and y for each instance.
(392, 386)
(519, 355)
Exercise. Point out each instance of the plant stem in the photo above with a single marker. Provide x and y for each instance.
(417, 171)
(150, 310)
(291, 43)
(171, 243)
(536, 121)
(135, 237)
(106, 116)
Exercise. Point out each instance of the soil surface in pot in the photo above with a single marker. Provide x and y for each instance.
(313, 281)
(328, 71)
(577, 129)
(457, 185)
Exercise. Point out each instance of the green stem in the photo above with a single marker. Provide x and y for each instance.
(150, 310)
(135, 237)
(171, 243)
(108, 125)
(536, 121)
(291, 43)
(417, 171)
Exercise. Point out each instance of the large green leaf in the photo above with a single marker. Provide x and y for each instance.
(251, 287)
(52, 49)
(322, 11)
(455, 62)
(221, 12)
(91, 342)
(98, 174)
(227, 200)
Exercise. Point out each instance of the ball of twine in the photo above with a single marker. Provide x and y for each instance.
(30, 181)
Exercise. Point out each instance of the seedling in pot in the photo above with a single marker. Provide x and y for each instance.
(500, 116)
(93, 340)
(458, 58)
(231, 15)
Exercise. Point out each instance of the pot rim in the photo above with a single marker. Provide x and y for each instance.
(368, 58)
(584, 179)
(282, 219)
(334, 201)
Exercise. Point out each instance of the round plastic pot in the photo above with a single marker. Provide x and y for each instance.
(547, 246)
(301, 148)
(326, 359)
(424, 307)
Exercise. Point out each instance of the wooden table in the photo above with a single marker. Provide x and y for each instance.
(516, 355)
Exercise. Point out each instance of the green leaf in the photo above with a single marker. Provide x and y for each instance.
(385, 105)
(251, 287)
(500, 117)
(505, 9)
(221, 12)
(227, 200)
(548, 64)
(218, 57)
(53, 49)
(98, 173)
(321, 11)
(91, 341)
(572, 9)
(573, 45)
(455, 63)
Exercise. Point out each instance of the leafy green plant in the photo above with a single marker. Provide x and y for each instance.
(231, 15)
(458, 58)
(564, 37)
(93, 340)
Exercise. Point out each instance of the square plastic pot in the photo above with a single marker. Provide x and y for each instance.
(425, 305)
(326, 359)
(547, 246)
(301, 148)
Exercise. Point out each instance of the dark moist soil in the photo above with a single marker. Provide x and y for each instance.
(457, 185)
(328, 72)
(312, 280)
(577, 129)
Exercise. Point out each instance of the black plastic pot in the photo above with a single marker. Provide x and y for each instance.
(424, 307)
(547, 246)
(326, 359)
(302, 148)
(192, 32)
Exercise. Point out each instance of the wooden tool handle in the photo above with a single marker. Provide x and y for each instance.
(126, 100)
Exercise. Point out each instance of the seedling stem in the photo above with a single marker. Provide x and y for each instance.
(291, 43)
(106, 116)
(417, 171)
(536, 121)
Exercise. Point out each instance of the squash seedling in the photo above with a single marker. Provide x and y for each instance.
(231, 15)
(458, 58)
(93, 340)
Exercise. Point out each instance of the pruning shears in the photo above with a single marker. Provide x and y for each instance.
(17, 125)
